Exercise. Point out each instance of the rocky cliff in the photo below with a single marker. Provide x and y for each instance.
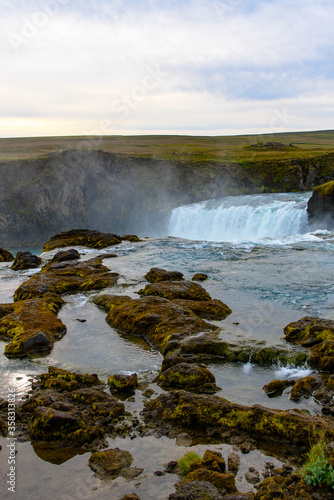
(321, 206)
(122, 194)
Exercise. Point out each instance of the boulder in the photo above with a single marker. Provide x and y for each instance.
(5, 255)
(199, 277)
(48, 424)
(65, 255)
(123, 383)
(302, 388)
(113, 463)
(65, 277)
(188, 376)
(156, 275)
(276, 387)
(322, 356)
(208, 309)
(85, 237)
(32, 325)
(196, 490)
(26, 260)
(225, 483)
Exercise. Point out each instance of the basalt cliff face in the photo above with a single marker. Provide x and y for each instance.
(321, 206)
(122, 194)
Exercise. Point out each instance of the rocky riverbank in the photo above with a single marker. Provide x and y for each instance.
(68, 413)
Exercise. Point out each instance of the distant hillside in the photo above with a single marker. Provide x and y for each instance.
(132, 189)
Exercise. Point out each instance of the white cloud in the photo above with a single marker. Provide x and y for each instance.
(223, 65)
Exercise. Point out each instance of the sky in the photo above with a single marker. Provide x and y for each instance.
(193, 67)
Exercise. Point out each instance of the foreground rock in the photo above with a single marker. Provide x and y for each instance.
(68, 410)
(280, 433)
(26, 260)
(87, 238)
(123, 383)
(160, 321)
(32, 325)
(5, 255)
(320, 206)
(176, 290)
(65, 277)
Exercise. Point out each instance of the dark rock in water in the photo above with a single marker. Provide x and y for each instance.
(285, 484)
(112, 463)
(199, 277)
(49, 424)
(160, 321)
(320, 206)
(26, 260)
(302, 388)
(213, 460)
(64, 277)
(276, 387)
(225, 483)
(32, 325)
(86, 237)
(123, 383)
(155, 275)
(277, 432)
(322, 356)
(5, 256)
(176, 290)
(65, 255)
(188, 376)
(233, 462)
(68, 410)
(196, 490)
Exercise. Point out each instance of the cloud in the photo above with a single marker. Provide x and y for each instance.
(215, 66)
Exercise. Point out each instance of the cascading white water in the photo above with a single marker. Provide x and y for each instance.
(242, 218)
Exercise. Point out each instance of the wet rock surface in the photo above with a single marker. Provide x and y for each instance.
(176, 290)
(156, 275)
(26, 260)
(5, 255)
(188, 376)
(86, 237)
(123, 383)
(32, 325)
(112, 463)
(65, 277)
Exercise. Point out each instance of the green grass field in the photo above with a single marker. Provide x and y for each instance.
(196, 149)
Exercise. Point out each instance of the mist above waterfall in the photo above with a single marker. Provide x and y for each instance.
(242, 218)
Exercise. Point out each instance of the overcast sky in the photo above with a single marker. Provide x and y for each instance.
(199, 67)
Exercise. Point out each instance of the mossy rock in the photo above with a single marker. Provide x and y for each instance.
(213, 460)
(5, 255)
(87, 238)
(309, 331)
(208, 309)
(276, 387)
(322, 356)
(110, 463)
(32, 325)
(60, 379)
(302, 388)
(188, 376)
(199, 277)
(65, 255)
(225, 483)
(65, 277)
(160, 321)
(123, 383)
(156, 275)
(176, 290)
(196, 490)
(48, 424)
(274, 430)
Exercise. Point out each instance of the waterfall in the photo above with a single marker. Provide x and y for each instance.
(242, 218)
